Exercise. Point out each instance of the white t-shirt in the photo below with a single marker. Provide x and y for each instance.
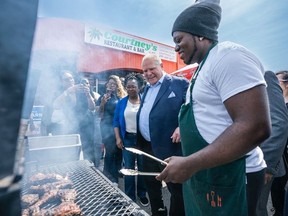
(130, 117)
(255, 160)
(229, 69)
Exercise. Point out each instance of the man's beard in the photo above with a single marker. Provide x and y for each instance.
(193, 53)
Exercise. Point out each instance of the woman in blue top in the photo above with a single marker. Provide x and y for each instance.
(124, 124)
(105, 107)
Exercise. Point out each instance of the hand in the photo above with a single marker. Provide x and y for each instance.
(86, 90)
(176, 138)
(82, 88)
(268, 177)
(119, 143)
(177, 170)
(105, 98)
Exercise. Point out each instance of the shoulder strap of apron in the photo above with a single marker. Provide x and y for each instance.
(199, 68)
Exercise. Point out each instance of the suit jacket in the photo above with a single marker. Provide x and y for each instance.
(163, 117)
(273, 147)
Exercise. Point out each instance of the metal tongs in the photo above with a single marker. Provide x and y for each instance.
(139, 152)
(131, 172)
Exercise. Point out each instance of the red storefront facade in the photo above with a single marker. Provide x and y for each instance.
(114, 52)
(91, 50)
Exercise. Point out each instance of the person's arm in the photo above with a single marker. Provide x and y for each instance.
(116, 125)
(90, 100)
(103, 100)
(68, 94)
(274, 146)
(251, 126)
(119, 141)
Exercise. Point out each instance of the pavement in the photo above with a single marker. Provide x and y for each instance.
(166, 196)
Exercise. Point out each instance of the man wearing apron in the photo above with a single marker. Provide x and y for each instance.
(225, 115)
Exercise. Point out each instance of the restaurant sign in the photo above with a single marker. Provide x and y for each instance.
(125, 42)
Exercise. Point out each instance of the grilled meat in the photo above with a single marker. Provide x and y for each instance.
(64, 209)
(43, 212)
(41, 189)
(41, 178)
(25, 212)
(67, 209)
(47, 189)
(67, 195)
(51, 195)
(29, 199)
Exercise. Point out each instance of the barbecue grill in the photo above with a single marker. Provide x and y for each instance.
(95, 193)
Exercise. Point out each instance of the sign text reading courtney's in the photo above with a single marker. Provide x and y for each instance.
(125, 42)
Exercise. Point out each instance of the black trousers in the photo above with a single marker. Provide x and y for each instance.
(278, 194)
(278, 190)
(255, 182)
(154, 188)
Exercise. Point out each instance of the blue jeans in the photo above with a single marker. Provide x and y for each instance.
(129, 163)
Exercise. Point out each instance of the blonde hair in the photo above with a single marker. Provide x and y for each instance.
(120, 89)
(154, 57)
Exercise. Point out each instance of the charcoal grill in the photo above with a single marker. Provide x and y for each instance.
(95, 193)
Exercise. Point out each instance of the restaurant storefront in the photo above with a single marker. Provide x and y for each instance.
(87, 50)
(91, 50)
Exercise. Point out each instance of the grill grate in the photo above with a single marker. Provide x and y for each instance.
(95, 193)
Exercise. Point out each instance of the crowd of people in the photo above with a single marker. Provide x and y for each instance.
(223, 135)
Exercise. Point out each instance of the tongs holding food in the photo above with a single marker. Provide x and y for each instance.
(139, 152)
(131, 172)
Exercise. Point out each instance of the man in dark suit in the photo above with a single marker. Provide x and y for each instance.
(158, 132)
(274, 146)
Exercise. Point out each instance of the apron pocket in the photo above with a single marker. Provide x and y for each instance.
(214, 200)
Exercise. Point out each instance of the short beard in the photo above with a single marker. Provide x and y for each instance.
(193, 53)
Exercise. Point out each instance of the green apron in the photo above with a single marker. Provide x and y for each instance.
(216, 191)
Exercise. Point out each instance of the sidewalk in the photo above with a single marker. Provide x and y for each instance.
(166, 197)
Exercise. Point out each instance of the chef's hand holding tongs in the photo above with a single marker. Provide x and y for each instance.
(136, 172)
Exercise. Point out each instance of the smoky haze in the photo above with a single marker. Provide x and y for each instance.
(56, 48)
